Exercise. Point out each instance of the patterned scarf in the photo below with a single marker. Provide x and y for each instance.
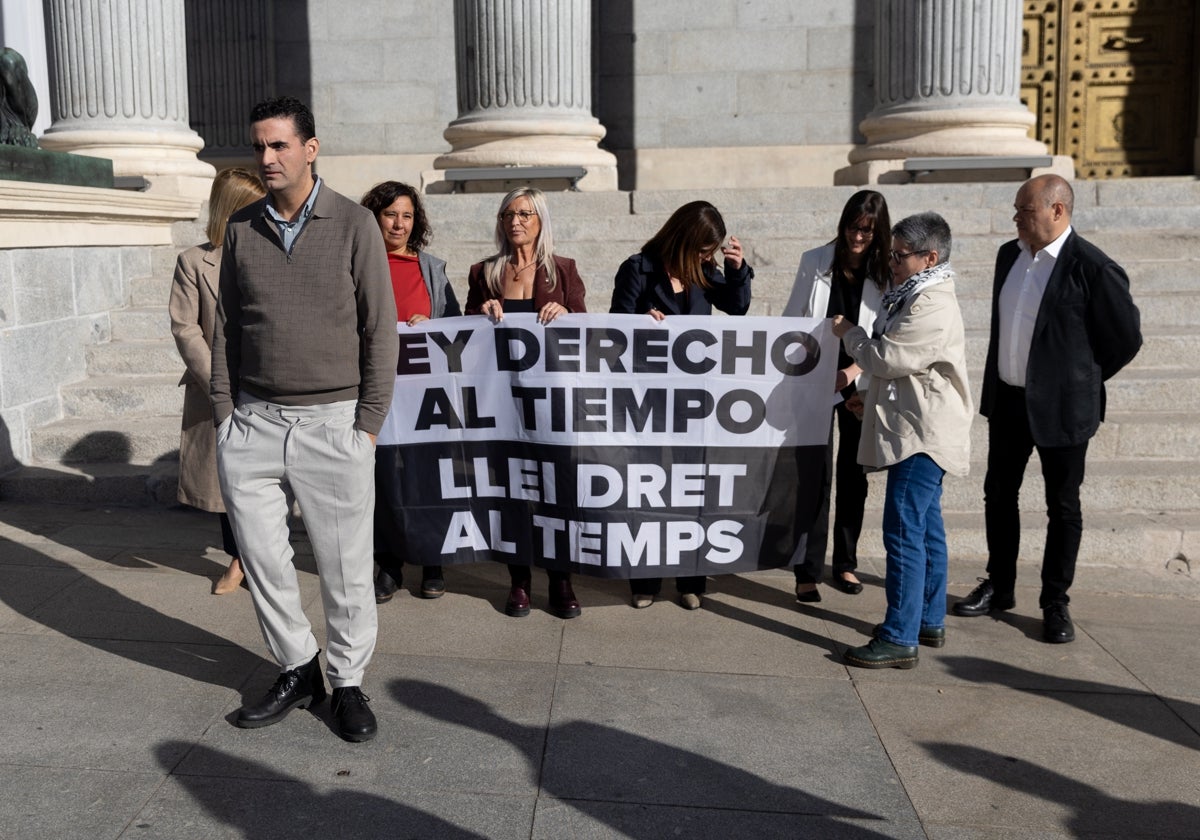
(894, 300)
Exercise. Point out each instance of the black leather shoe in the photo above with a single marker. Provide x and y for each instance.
(355, 722)
(1057, 628)
(850, 587)
(517, 604)
(934, 637)
(808, 596)
(299, 688)
(880, 654)
(432, 583)
(385, 587)
(563, 602)
(984, 599)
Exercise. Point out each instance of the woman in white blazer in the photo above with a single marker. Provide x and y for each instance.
(845, 277)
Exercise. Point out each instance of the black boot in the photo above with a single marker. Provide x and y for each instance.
(299, 688)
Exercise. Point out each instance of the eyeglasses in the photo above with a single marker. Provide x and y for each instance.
(522, 216)
(897, 256)
(864, 232)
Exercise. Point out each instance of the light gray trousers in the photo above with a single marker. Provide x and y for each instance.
(268, 454)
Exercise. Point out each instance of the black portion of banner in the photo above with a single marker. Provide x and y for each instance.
(643, 512)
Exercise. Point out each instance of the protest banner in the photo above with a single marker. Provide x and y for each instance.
(611, 445)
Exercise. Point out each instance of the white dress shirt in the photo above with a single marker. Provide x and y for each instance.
(1020, 299)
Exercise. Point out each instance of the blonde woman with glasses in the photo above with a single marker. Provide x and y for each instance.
(525, 275)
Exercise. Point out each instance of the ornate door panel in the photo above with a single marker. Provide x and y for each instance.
(1113, 83)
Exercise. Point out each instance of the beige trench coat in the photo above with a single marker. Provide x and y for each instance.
(919, 399)
(193, 308)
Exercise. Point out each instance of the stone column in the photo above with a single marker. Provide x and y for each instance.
(524, 74)
(119, 90)
(947, 82)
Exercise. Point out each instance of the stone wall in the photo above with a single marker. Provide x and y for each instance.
(54, 303)
(736, 92)
(693, 73)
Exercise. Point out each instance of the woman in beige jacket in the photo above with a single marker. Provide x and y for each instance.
(193, 307)
(916, 425)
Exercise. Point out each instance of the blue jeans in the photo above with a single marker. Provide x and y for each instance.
(915, 540)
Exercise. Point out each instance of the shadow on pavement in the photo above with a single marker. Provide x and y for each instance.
(261, 806)
(1082, 694)
(625, 770)
(1094, 812)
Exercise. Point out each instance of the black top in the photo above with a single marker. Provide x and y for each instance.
(845, 298)
(518, 305)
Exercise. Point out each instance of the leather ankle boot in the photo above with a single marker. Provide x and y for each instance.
(563, 602)
(299, 688)
(518, 599)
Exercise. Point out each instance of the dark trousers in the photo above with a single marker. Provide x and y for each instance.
(694, 584)
(522, 575)
(228, 541)
(1010, 444)
(849, 502)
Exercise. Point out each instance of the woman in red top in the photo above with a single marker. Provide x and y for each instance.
(525, 275)
(422, 292)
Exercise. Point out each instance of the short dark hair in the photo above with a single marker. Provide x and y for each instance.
(925, 232)
(286, 106)
(382, 196)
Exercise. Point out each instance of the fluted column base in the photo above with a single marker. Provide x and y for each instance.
(947, 131)
(165, 158)
(525, 141)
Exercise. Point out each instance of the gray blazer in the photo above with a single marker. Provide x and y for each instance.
(441, 294)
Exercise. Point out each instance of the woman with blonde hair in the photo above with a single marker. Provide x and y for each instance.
(193, 306)
(525, 275)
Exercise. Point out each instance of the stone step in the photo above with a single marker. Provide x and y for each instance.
(1128, 436)
(97, 484)
(1129, 541)
(134, 439)
(1148, 486)
(134, 357)
(141, 323)
(116, 396)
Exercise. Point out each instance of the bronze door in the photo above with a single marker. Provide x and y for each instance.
(1113, 83)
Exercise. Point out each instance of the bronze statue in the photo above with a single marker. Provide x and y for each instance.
(18, 101)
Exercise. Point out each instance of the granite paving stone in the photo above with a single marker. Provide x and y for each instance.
(737, 720)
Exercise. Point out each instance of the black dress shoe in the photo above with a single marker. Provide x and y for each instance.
(1057, 628)
(299, 688)
(880, 654)
(563, 602)
(432, 583)
(850, 587)
(355, 721)
(934, 637)
(984, 599)
(385, 587)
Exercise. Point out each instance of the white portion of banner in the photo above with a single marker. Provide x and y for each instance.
(615, 380)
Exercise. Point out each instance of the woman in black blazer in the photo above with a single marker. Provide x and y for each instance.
(676, 273)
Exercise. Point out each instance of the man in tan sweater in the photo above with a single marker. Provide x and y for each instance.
(304, 359)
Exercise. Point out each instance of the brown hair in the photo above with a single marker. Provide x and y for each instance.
(232, 190)
(694, 230)
(381, 196)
